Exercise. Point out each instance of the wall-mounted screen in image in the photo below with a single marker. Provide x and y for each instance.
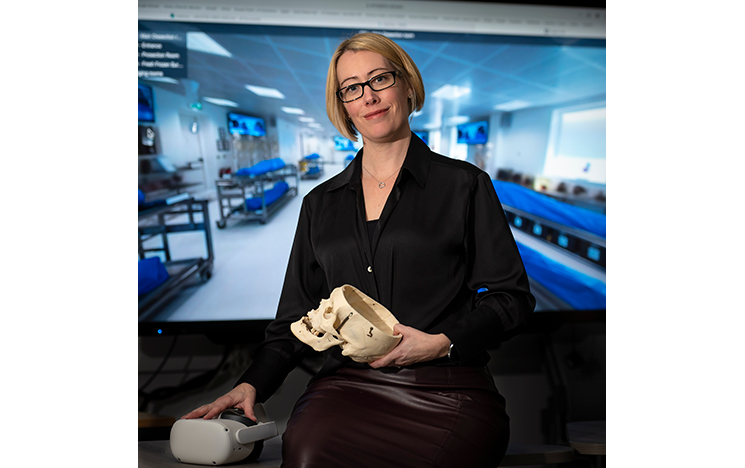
(473, 133)
(145, 107)
(423, 135)
(240, 124)
(343, 144)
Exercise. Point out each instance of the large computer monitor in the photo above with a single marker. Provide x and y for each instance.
(535, 74)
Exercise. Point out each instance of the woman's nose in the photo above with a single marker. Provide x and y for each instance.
(370, 96)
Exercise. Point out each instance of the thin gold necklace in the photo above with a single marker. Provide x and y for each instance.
(381, 185)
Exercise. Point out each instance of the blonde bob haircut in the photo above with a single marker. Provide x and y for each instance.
(402, 63)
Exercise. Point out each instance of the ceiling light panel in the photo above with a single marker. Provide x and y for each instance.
(265, 92)
(221, 102)
(293, 110)
(201, 42)
(512, 105)
(451, 92)
(162, 79)
(458, 119)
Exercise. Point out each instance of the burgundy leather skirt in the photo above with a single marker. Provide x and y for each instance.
(425, 417)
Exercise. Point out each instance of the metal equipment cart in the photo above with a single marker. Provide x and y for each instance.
(160, 221)
(254, 189)
(311, 167)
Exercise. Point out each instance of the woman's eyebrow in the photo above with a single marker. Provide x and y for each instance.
(355, 77)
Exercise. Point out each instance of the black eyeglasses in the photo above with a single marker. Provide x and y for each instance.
(376, 83)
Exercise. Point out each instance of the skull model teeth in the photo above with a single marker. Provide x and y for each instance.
(352, 320)
(306, 322)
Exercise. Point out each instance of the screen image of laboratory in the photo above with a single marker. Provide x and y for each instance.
(238, 119)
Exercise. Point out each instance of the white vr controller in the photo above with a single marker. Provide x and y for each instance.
(228, 439)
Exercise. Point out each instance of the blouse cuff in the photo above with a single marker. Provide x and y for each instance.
(465, 336)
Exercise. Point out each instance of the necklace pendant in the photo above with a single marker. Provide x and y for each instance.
(381, 185)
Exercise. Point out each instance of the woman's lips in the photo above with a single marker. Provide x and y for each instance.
(375, 114)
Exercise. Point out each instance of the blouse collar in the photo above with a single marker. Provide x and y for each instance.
(417, 163)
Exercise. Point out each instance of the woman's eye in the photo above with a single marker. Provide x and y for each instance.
(352, 88)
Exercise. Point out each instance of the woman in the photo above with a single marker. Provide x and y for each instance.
(426, 237)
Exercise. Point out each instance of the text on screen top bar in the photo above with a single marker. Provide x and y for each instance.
(447, 17)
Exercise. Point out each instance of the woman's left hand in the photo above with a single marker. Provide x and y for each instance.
(415, 346)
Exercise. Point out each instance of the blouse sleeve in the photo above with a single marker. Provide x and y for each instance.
(304, 287)
(495, 268)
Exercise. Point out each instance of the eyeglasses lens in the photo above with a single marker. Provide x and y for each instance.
(376, 83)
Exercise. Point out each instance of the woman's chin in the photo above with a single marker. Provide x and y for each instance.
(384, 134)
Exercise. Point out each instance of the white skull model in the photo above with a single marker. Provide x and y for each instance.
(349, 318)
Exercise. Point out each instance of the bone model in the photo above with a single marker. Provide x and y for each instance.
(352, 320)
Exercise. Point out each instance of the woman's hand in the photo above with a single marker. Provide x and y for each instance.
(415, 346)
(243, 396)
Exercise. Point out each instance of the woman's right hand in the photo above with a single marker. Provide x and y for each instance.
(243, 396)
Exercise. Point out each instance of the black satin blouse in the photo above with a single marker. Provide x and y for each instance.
(441, 238)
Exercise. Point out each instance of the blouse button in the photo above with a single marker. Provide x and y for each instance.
(369, 269)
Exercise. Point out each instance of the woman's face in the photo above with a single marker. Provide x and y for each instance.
(379, 116)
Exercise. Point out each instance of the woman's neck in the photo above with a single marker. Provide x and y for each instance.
(382, 158)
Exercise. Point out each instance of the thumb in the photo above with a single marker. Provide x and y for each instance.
(399, 329)
(248, 411)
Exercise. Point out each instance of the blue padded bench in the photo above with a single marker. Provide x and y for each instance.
(261, 167)
(151, 273)
(270, 196)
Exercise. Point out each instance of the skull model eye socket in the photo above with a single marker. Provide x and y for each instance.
(328, 314)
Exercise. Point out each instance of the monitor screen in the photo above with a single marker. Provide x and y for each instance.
(239, 124)
(343, 144)
(474, 133)
(528, 79)
(423, 135)
(145, 107)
